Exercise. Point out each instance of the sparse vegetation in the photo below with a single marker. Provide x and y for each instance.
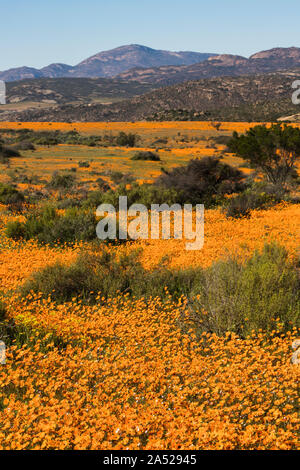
(145, 332)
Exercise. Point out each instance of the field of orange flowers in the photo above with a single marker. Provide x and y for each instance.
(131, 373)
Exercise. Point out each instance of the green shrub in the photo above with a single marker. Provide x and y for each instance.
(147, 156)
(75, 225)
(10, 195)
(15, 230)
(93, 199)
(251, 296)
(67, 203)
(83, 164)
(102, 184)
(126, 140)
(89, 273)
(118, 177)
(62, 181)
(109, 275)
(229, 296)
(203, 181)
(46, 226)
(221, 139)
(4, 326)
(146, 194)
(7, 152)
(24, 145)
(257, 197)
(239, 207)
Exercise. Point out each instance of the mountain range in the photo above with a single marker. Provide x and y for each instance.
(269, 61)
(108, 63)
(160, 68)
(220, 87)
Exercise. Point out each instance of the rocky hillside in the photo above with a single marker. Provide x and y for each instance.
(244, 98)
(70, 90)
(217, 66)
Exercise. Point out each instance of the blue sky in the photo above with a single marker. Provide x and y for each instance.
(39, 32)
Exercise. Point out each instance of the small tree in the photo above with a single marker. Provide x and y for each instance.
(203, 181)
(127, 140)
(216, 125)
(272, 150)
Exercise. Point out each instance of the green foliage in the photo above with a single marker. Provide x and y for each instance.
(6, 153)
(102, 184)
(273, 150)
(15, 230)
(146, 194)
(126, 140)
(105, 273)
(147, 156)
(251, 296)
(4, 324)
(83, 164)
(228, 296)
(93, 199)
(9, 194)
(259, 196)
(46, 226)
(118, 177)
(25, 138)
(221, 139)
(62, 181)
(203, 181)
(24, 145)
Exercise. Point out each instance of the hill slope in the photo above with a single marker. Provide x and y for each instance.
(245, 98)
(216, 66)
(67, 90)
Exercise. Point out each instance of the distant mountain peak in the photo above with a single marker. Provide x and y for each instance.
(278, 53)
(109, 63)
(123, 58)
(138, 62)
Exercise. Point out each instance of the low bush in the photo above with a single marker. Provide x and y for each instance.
(203, 181)
(230, 296)
(121, 178)
(221, 139)
(106, 273)
(242, 297)
(146, 194)
(147, 156)
(126, 140)
(24, 137)
(62, 181)
(83, 164)
(7, 152)
(47, 226)
(10, 195)
(102, 184)
(259, 196)
(24, 145)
